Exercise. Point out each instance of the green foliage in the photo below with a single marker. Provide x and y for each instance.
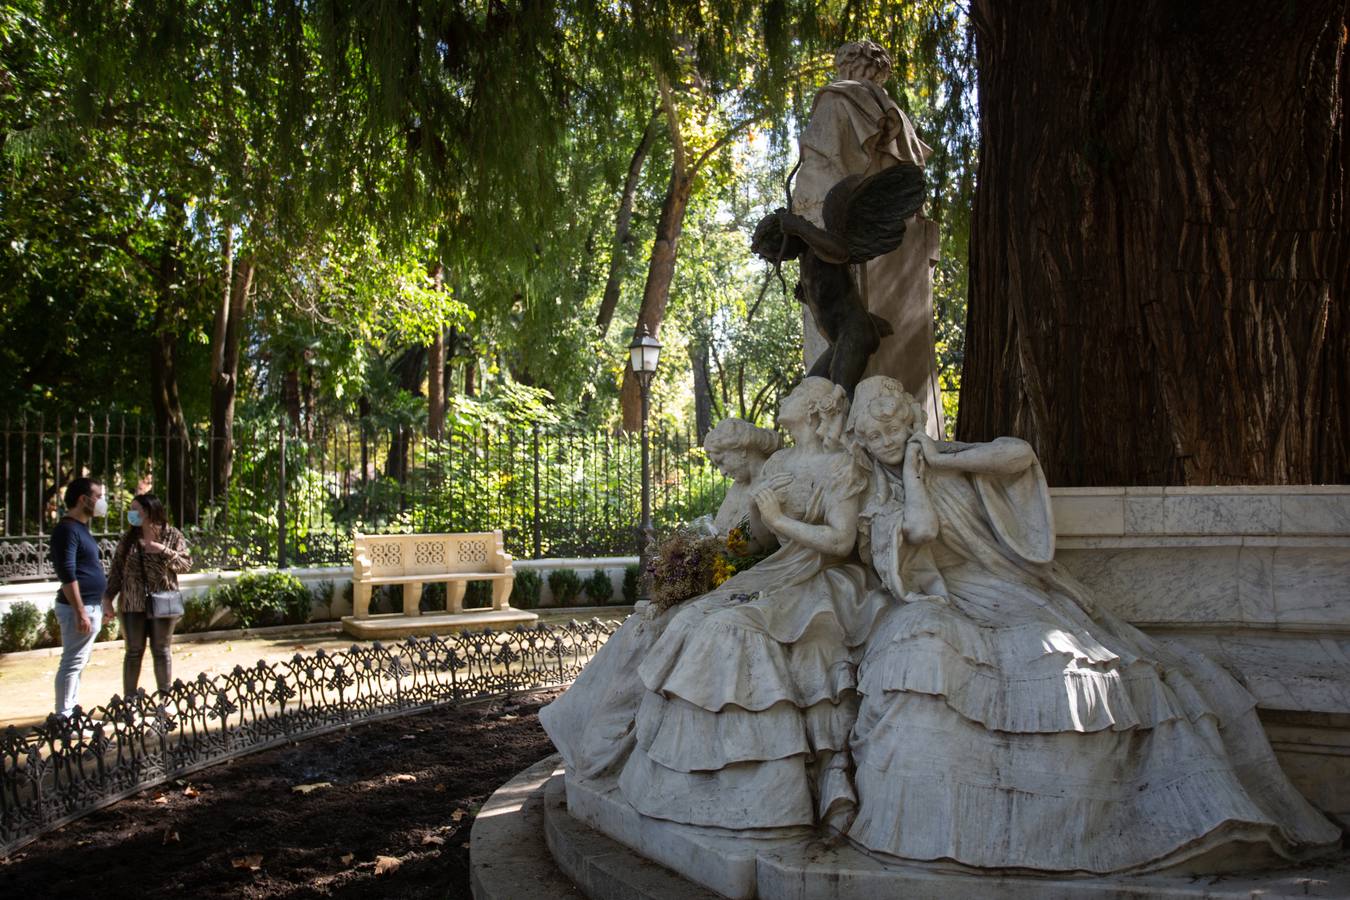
(110, 629)
(599, 588)
(478, 595)
(632, 584)
(433, 597)
(19, 627)
(525, 589)
(565, 585)
(267, 598)
(51, 630)
(198, 611)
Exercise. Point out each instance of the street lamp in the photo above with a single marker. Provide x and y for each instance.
(643, 355)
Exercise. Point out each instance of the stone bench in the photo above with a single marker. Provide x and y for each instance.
(413, 560)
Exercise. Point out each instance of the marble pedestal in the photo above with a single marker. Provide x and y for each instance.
(605, 847)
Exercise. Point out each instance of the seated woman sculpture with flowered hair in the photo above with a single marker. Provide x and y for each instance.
(1005, 721)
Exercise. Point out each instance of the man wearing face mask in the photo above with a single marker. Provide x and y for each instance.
(74, 554)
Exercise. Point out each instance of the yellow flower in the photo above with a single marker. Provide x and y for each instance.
(722, 570)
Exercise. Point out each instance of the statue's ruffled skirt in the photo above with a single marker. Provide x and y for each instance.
(1048, 741)
(748, 705)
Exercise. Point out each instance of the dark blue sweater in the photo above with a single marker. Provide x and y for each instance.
(75, 558)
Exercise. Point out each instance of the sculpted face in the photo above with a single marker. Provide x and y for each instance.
(884, 438)
(733, 463)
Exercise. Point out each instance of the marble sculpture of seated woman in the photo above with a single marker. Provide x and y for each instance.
(746, 694)
(1005, 722)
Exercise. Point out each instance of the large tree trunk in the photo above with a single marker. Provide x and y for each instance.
(397, 463)
(703, 399)
(622, 225)
(436, 369)
(226, 339)
(1159, 259)
(176, 483)
(660, 273)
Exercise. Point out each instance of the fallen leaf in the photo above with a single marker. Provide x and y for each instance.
(433, 839)
(161, 800)
(386, 864)
(403, 779)
(306, 788)
(457, 815)
(170, 837)
(440, 789)
(509, 718)
(84, 843)
(409, 737)
(252, 862)
(191, 791)
(347, 858)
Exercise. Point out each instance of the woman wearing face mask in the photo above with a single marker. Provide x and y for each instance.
(149, 558)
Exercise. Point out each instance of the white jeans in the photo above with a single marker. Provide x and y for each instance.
(75, 651)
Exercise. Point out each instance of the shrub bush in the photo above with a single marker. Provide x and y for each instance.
(386, 598)
(631, 583)
(51, 630)
(267, 598)
(565, 585)
(324, 594)
(526, 588)
(110, 630)
(478, 595)
(599, 588)
(198, 612)
(433, 597)
(19, 628)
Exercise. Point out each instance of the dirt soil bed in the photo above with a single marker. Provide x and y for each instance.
(377, 810)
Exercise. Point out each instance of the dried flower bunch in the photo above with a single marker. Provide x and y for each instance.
(688, 564)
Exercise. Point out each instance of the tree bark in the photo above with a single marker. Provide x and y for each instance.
(226, 339)
(1159, 260)
(409, 368)
(623, 220)
(176, 483)
(703, 402)
(436, 369)
(660, 273)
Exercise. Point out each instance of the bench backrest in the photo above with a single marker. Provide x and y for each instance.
(429, 554)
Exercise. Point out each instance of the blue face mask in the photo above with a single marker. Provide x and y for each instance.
(134, 518)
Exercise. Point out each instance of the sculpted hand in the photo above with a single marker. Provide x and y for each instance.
(932, 453)
(770, 510)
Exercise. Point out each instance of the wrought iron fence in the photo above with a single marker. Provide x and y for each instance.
(59, 771)
(295, 496)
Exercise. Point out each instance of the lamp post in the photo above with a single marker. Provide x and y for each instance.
(644, 353)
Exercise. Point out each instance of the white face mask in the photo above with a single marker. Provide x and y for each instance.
(100, 507)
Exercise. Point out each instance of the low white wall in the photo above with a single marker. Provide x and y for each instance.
(42, 594)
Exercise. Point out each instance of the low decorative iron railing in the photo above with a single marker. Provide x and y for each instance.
(61, 770)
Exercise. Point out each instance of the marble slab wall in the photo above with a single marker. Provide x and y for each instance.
(1257, 578)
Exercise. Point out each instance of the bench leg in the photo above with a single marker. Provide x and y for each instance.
(501, 592)
(360, 600)
(412, 599)
(454, 596)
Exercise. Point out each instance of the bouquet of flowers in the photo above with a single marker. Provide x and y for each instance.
(688, 563)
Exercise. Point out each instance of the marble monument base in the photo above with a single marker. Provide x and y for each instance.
(596, 837)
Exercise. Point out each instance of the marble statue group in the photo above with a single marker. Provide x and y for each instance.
(913, 673)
